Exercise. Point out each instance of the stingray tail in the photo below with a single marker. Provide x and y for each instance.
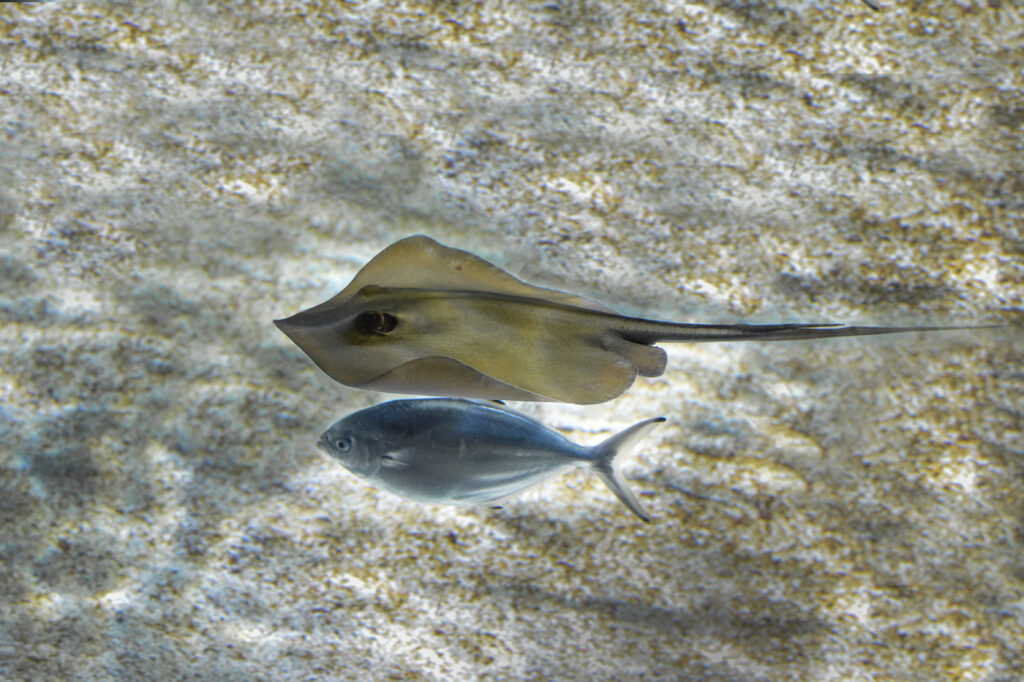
(603, 462)
(650, 331)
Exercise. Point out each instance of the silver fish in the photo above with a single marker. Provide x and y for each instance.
(455, 451)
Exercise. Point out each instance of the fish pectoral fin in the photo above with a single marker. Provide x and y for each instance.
(389, 462)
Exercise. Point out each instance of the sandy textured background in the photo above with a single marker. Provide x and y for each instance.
(175, 175)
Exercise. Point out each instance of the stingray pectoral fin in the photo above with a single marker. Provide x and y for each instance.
(565, 369)
(441, 376)
(419, 262)
(561, 353)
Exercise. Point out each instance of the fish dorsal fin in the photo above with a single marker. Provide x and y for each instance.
(419, 262)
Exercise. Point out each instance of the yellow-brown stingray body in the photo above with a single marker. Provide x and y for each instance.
(427, 319)
(473, 344)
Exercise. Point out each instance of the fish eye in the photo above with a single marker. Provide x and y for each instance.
(376, 322)
(343, 445)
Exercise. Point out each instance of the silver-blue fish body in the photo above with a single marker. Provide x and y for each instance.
(455, 451)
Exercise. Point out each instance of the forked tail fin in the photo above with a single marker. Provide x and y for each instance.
(603, 462)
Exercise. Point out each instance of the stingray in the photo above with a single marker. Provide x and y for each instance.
(427, 319)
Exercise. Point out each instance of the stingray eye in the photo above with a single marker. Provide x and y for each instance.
(376, 322)
(343, 445)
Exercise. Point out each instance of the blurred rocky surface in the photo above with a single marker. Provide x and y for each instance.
(175, 175)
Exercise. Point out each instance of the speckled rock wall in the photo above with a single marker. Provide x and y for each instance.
(175, 175)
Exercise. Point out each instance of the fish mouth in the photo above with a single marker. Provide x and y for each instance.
(322, 447)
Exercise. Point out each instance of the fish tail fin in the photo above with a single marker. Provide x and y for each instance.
(603, 462)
